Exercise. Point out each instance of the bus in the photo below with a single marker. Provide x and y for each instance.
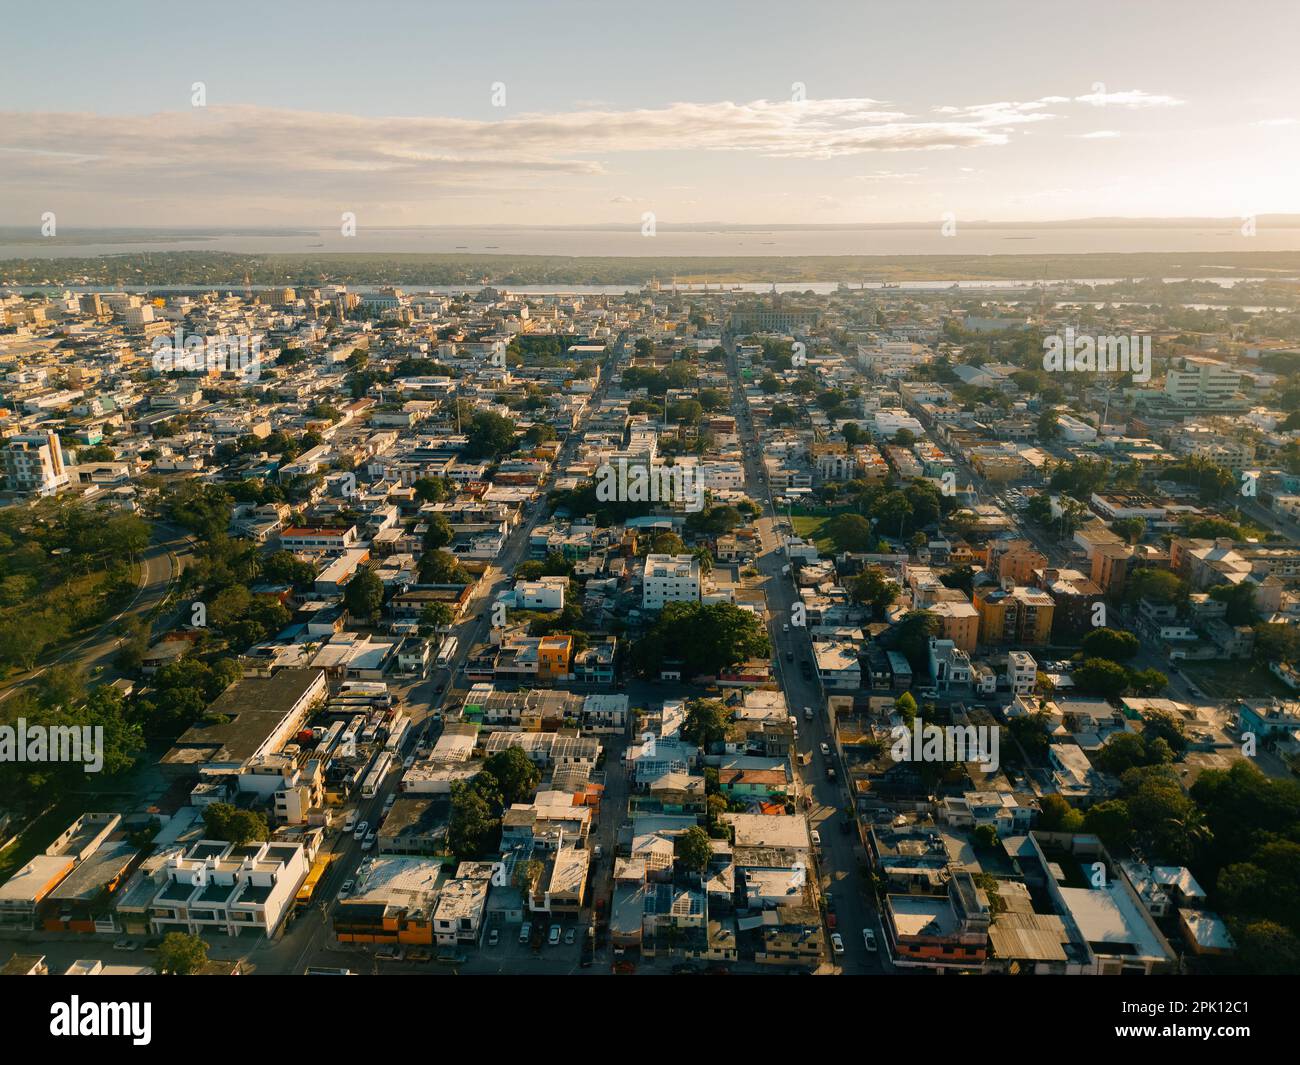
(308, 890)
(447, 651)
(397, 733)
(375, 778)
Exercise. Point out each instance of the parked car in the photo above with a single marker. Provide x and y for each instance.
(525, 932)
(554, 937)
(494, 937)
(837, 943)
(346, 889)
(391, 954)
(388, 802)
(369, 841)
(816, 838)
(570, 935)
(361, 831)
(350, 822)
(869, 939)
(418, 954)
(408, 761)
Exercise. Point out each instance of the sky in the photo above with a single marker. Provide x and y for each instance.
(571, 113)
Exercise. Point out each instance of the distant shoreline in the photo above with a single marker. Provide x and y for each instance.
(224, 269)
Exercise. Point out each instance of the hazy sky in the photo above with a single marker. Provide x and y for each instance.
(690, 110)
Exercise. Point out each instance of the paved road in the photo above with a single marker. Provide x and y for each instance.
(309, 941)
(161, 566)
(842, 856)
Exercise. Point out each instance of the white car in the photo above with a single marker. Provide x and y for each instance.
(362, 828)
(826, 750)
(808, 713)
(408, 761)
(369, 841)
(837, 943)
(816, 838)
(350, 822)
(869, 939)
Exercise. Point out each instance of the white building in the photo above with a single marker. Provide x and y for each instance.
(1022, 672)
(229, 889)
(545, 593)
(34, 463)
(670, 579)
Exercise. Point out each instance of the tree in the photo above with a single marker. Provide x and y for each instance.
(1058, 815)
(436, 616)
(912, 636)
(985, 836)
(439, 533)
(364, 595)
(706, 724)
(441, 567)
(694, 849)
(516, 774)
(473, 821)
(1157, 585)
(540, 433)
(1240, 600)
(1269, 949)
(223, 821)
(851, 532)
(700, 640)
(1115, 644)
(181, 954)
(1132, 529)
(667, 543)
(1111, 821)
(491, 435)
(1103, 677)
(873, 589)
(905, 706)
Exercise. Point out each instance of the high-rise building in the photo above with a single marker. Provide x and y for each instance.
(34, 463)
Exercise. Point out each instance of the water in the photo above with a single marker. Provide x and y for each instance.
(721, 241)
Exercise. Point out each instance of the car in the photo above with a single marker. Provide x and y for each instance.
(350, 822)
(391, 954)
(785, 627)
(816, 838)
(597, 852)
(388, 802)
(570, 935)
(346, 889)
(837, 943)
(808, 713)
(789, 656)
(125, 944)
(830, 773)
(826, 750)
(418, 954)
(869, 939)
(554, 937)
(494, 937)
(408, 761)
(525, 932)
(369, 841)
(361, 830)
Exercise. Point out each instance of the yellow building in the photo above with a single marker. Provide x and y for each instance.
(1018, 616)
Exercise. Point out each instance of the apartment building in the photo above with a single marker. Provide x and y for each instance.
(670, 579)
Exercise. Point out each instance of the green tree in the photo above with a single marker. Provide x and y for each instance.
(223, 821)
(363, 595)
(706, 724)
(181, 954)
(516, 774)
(694, 849)
(1115, 644)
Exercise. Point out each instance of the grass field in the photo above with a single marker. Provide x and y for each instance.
(811, 528)
(1234, 680)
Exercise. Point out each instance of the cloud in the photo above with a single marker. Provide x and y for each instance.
(1276, 122)
(1099, 134)
(1131, 98)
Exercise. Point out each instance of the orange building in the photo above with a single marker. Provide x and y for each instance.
(1019, 616)
(554, 653)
